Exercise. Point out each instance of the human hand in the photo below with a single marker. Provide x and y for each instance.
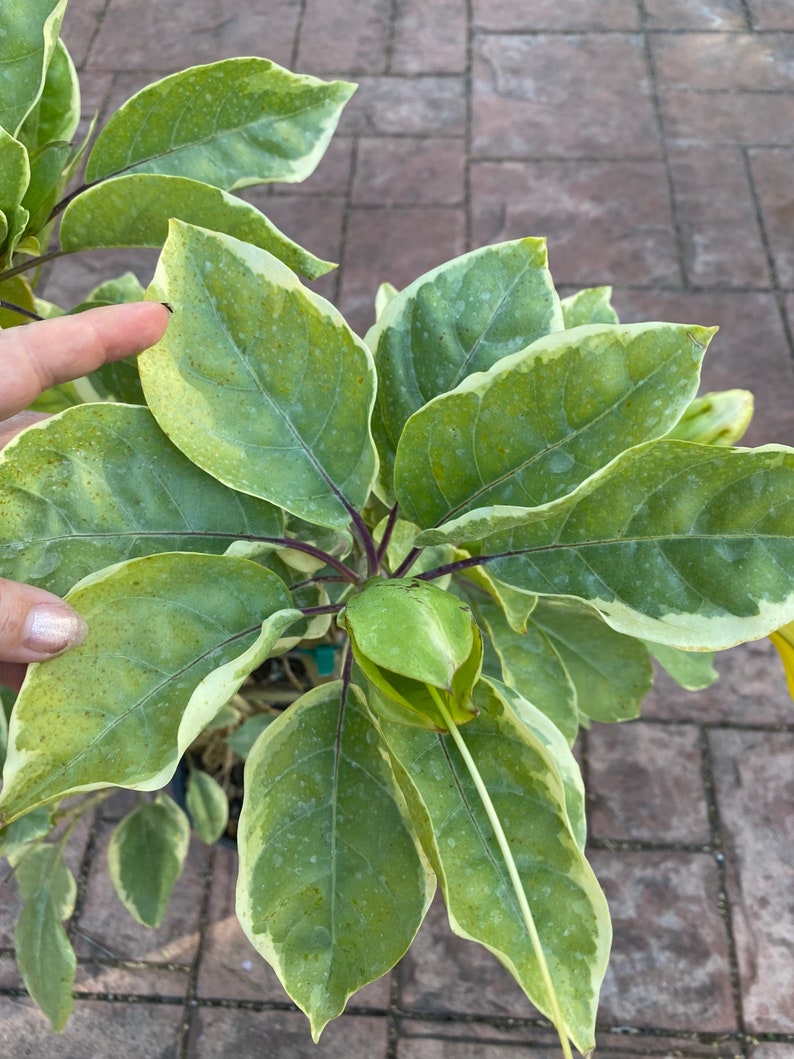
(36, 625)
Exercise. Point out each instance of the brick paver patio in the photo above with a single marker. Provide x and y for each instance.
(652, 141)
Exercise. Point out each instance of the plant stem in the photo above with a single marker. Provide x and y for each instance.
(34, 262)
(10, 307)
(453, 568)
(408, 562)
(365, 537)
(512, 870)
(387, 533)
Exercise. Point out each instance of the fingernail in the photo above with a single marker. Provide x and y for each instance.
(52, 627)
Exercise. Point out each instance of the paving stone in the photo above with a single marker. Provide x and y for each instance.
(111, 980)
(771, 1050)
(230, 967)
(429, 38)
(593, 15)
(314, 222)
(125, 1031)
(432, 1048)
(486, 1032)
(168, 37)
(359, 30)
(755, 800)
(105, 928)
(773, 175)
(282, 1035)
(409, 172)
(630, 1043)
(645, 783)
(751, 690)
(760, 62)
(79, 27)
(749, 352)
(772, 14)
(727, 118)
(706, 14)
(394, 245)
(670, 967)
(606, 222)
(403, 106)
(717, 219)
(444, 973)
(544, 96)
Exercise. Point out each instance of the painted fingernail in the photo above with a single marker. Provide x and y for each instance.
(51, 628)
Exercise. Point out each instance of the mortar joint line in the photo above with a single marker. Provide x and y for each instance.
(774, 277)
(297, 37)
(724, 904)
(190, 1004)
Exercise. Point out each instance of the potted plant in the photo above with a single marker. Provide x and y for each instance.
(491, 492)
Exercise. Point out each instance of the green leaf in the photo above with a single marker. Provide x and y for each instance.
(172, 652)
(693, 670)
(45, 957)
(269, 390)
(715, 418)
(208, 806)
(29, 828)
(230, 124)
(16, 291)
(531, 664)
(524, 784)
(242, 739)
(323, 897)
(46, 181)
(548, 735)
(682, 544)
(516, 606)
(14, 174)
(412, 639)
(460, 318)
(590, 306)
(146, 855)
(611, 673)
(57, 112)
(529, 431)
(135, 211)
(30, 34)
(101, 483)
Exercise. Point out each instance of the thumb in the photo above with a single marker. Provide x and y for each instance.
(36, 625)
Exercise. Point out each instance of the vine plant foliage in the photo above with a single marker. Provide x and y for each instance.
(500, 503)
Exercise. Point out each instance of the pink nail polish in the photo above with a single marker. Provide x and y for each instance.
(52, 627)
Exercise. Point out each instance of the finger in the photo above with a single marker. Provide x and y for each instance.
(16, 424)
(36, 625)
(35, 356)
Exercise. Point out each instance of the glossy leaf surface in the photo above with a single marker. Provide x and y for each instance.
(44, 954)
(208, 806)
(135, 210)
(172, 661)
(328, 900)
(146, 855)
(590, 306)
(269, 391)
(524, 785)
(611, 673)
(682, 544)
(231, 124)
(100, 484)
(529, 430)
(458, 319)
(30, 32)
(57, 112)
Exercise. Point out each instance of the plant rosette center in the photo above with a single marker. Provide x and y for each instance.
(418, 646)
